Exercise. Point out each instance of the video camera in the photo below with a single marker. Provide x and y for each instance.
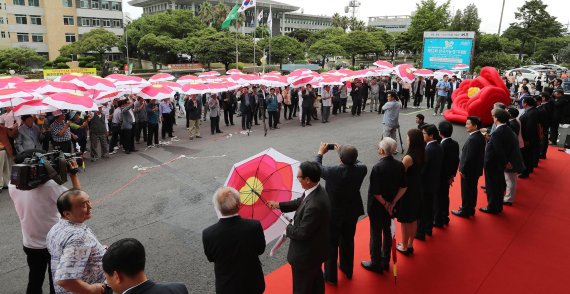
(38, 168)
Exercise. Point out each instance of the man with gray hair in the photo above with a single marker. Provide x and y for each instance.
(387, 186)
(234, 244)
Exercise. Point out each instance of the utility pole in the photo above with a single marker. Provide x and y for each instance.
(127, 21)
(352, 5)
(501, 19)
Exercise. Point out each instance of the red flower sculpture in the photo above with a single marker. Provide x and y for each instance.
(476, 97)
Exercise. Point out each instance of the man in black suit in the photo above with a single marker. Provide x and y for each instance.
(307, 105)
(343, 187)
(309, 232)
(234, 245)
(431, 180)
(498, 154)
(450, 163)
(356, 97)
(123, 265)
(453, 85)
(246, 107)
(387, 186)
(431, 87)
(471, 167)
(530, 128)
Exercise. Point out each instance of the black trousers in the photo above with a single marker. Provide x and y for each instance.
(141, 127)
(214, 124)
(405, 97)
(152, 134)
(306, 115)
(380, 237)
(256, 113)
(246, 119)
(554, 131)
(430, 98)
(544, 144)
(356, 106)
(63, 146)
(229, 116)
(336, 106)
(441, 207)
(382, 101)
(425, 223)
(294, 106)
(128, 139)
(343, 104)
(287, 108)
(469, 194)
(308, 279)
(166, 125)
(38, 261)
(341, 247)
(449, 102)
(418, 99)
(273, 118)
(115, 131)
(495, 186)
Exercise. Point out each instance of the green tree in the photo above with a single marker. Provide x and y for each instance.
(330, 33)
(97, 41)
(219, 13)
(532, 24)
(429, 17)
(206, 13)
(300, 35)
(564, 54)
(356, 25)
(499, 60)
(220, 47)
(360, 42)
(326, 48)
(549, 49)
(159, 49)
(470, 21)
(455, 24)
(339, 21)
(381, 34)
(262, 31)
(283, 48)
(19, 59)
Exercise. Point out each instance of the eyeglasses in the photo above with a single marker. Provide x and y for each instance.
(300, 177)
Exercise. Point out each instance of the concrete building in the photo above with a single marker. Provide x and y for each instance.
(47, 25)
(392, 24)
(285, 18)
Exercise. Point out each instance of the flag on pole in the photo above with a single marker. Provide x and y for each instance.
(233, 15)
(270, 22)
(246, 4)
(260, 17)
(394, 254)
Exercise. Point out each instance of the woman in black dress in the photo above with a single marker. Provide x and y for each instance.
(410, 204)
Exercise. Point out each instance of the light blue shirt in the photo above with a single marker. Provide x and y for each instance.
(164, 108)
(391, 113)
(442, 84)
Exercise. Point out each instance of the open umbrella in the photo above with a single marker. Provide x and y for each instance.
(188, 79)
(172, 85)
(423, 73)
(195, 89)
(101, 97)
(31, 85)
(222, 87)
(13, 97)
(440, 73)
(161, 77)
(460, 66)
(10, 81)
(119, 79)
(156, 91)
(383, 64)
(33, 107)
(269, 175)
(209, 74)
(406, 72)
(331, 81)
(91, 83)
(274, 81)
(234, 72)
(71, 101)
(58, 87)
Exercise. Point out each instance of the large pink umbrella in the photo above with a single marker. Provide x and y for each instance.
(331, 81)
(188, 79)
(299, 74)
(245, 80)
(119, 79)
(405, 72)
(70, 77)
(71, 101)
(31, 85)
(274, 73)
(13, 97)
(222, 87)
(423, 73)
(101, 97)
(58, 87)
(308, 79)
(195, 89)
(209, 74)
(91, 83)
(172, 85)
(383, 64)
(156, 91)
(10, 81)
(161, 77)
(460, 66)
(234, 72)
(442, 72)
(274, 81)
(33, 107)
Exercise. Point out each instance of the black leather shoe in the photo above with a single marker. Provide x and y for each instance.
(309, 124)
(438, 225)
(523, 176)
(487, 210)
(330, 282)
(421, 237)
(369, 266)
(460, 213)
(347, 275)
(507, 203)
(429, 233)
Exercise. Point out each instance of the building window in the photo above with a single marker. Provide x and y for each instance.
(36, 20)
(105, 5)
(19, 2)
(35, 3)
(1, 20)
(67, 3)
(37, 38)
(95, 4)
(21, 19)
(96, 22)
(23, 37)
(116, 6)
(107, 23)
(3, 35)
(116, 23)
(69, 37)
(83, 3)
(68, 20)
(85, 22)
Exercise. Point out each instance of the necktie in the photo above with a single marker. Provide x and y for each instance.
(303, 198)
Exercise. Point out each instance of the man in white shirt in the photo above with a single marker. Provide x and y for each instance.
(326, 98)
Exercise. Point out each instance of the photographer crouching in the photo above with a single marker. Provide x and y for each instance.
(36, 183)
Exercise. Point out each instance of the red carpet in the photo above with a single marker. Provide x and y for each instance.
(523, 250)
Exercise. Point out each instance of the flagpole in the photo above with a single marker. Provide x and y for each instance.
(270, 35)
(237, 51)
(254, 29)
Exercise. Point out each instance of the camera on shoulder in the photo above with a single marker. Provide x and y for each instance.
(36, 167)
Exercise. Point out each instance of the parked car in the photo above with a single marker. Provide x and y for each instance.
(528, 73)
(555, 67)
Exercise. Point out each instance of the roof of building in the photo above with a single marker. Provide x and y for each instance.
(262, 3)
(309, 15)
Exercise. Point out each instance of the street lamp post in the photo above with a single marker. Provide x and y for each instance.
(501, 19)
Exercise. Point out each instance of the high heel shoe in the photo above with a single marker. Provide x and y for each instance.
(400, 248)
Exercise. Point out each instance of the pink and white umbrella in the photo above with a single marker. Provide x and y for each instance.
(274, 81)
(209, 74)
(161, 77)
(308, 79)
(300, 73)
(58, 87)
(30, 85)
(188, 79)
(384, 72)
(102, 97)
(33, 107)
(383, 64)
(10, 81)
(405, 72)
(245, 80)
(172, 85)
(331, 81)
(13, 97)
(119, 80)
(234, 72)
(222, 87)
(157, 91)
(460, 66)
(195, 89)
(91, 83)
(423, 73)
(274, 73)
(71, 101)
(70, 77)
(333, 72)
(442, 72)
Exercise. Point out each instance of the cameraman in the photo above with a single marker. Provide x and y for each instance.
(37, 211)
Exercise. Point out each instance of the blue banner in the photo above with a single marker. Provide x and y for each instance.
(445, 53)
